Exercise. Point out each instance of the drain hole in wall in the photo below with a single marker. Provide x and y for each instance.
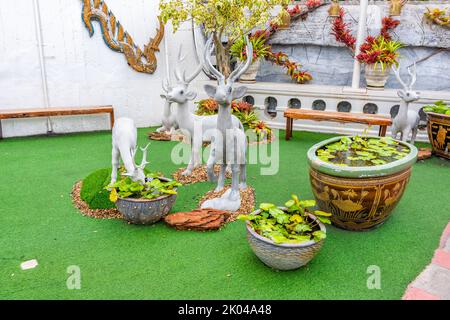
(319, 105)
(394, 111)
(294, 103)
(370, 108)
(270, 104)
(249, 99)
(344, 106)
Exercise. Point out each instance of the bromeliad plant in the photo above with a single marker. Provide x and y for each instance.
(153, 188)
(362, 151)
(296, 223)
(438, 107)
(260, 48)
(379, 51)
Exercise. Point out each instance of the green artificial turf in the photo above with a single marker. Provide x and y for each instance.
(124, 261)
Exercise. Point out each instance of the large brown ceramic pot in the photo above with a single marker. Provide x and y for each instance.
(359, 198)
(439, 133)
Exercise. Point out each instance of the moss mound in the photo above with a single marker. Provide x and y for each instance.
(93, 190)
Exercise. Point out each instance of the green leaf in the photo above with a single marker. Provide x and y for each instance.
(266, 206)
(308, 203)
(322, 213)
(274, 211)
(302, 228)
(113, 197)
(319, 235)
(324, 220)
(289, 203)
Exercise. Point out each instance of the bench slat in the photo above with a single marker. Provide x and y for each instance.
(344, 117)
(45, 112)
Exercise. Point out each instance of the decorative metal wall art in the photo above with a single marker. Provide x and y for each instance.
(120, 40)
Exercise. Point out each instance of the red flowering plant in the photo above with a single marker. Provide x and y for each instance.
(207, 107)
(375, 50)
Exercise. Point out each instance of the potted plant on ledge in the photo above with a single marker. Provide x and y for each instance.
(144, 203)
(438, 126)
(260, 50)
(360, 180)
(378, 55)
(286, 238)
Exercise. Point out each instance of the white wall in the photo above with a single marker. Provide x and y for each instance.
(80, 71)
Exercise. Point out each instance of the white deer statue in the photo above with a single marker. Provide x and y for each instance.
(169, 124)
(124, 139)
(230, 143)
(199, 129)
(407, 121)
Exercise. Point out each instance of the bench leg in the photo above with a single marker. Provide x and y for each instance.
(289, 123)
(111, 119)
(382, 132)
(1, 132)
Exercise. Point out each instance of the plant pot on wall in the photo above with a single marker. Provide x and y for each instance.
(439, 133)
(376, 77)
(360, 197)
(250, 75)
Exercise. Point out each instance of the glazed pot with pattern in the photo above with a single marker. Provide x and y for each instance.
(439, 133)
(146, 211)
(283, 256)
(359, 198)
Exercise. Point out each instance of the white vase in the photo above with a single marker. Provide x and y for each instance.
(250, 75)
(375, 76)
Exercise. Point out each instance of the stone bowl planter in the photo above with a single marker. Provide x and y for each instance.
(359, 198)
(439, 133)
(146, 211)
(282, 256)
(375, 76)
(250, 75)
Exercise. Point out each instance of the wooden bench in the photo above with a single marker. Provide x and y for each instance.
(51, 112)
(342, 117)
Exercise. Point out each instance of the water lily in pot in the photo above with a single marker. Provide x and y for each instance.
(260, 50)
(378, 54)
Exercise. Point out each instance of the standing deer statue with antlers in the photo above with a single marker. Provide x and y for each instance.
(169, 123)
(199, 129)
(407, 121)
(230, 143)
(124, 140)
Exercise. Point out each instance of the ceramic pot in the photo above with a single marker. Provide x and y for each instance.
(439, 133)
(250, 75)
(146, 211)
(375, 76)
(359, 198)
(282, 256)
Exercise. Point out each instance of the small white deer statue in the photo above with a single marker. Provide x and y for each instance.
(407, 121)
(169, 124)
(199, 129)
(230, 143)
(124, 139)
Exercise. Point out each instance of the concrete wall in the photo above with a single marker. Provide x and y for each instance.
(310, 43)
(80, 71)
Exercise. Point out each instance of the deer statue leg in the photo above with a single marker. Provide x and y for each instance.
(221, 181)
(413, 135)
(190, 166)
(243, 177)
(234, 195)
(115, 164)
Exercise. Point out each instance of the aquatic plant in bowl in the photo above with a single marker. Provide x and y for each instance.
(144, 203)
(286, 238)
(360, 180)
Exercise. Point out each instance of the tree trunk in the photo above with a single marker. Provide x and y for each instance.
(222, 57)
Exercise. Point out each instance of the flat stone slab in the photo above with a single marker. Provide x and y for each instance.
(434, 282)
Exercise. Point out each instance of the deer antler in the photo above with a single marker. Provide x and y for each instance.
(243, 67)
(412, 75)
(144, 157)
(397, 75)
(178, 75)
(165, 85)
(207, 57)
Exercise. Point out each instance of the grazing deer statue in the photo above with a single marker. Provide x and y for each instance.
(199, 129)
(168, 120)
(406, 121)
(124, 139)
(230, 143)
